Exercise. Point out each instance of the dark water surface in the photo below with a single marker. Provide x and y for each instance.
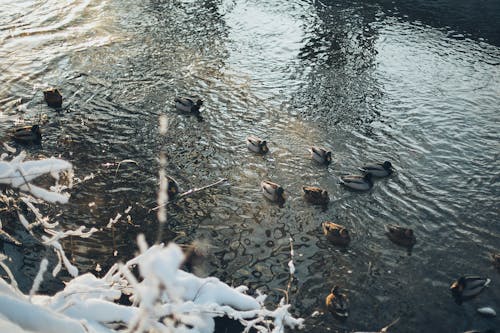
(418, 85)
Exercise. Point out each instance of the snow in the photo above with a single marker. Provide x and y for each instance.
(18, 173)
(164, 298)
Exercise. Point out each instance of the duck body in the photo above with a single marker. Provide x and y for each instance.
(378, 169)
(257, 145)
(356, 182)
(273, 191)
(467, 287)
(172, 188)
(336, 233)
(53, 97)
(315, 195)
(321, 155)
(27, 134)
(400, 235)
(337, 303)
(188, 105)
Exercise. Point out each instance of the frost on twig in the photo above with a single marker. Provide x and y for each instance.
(164, 299)
(18, 173)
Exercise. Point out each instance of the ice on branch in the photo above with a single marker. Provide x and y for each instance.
(19, 173)
(149, 293)
(164, 299)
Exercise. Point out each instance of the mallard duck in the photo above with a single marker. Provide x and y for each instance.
(172, 188)
(336, 233)
(378, 169)
(495, 257)
(188, 105)
(273, 191)
(257, 145)
(321, 155)
(53, 97)
(355, 182)
(315, 195)
(467, 287)
(337, 303)
(400, 235)
(27, 134)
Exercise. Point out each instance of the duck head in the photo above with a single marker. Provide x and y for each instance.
(328, 157)
(172, 188)
(280, 193)
(36, 130)
(263, 146)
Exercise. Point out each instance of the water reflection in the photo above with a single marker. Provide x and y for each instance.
(348, 76)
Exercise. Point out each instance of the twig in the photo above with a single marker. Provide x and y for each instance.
(124, 161)
(8, 238)
(198, 189)
(192, 191)
(384, 330)
(292, 270)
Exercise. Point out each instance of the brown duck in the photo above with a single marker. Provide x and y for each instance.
(27, 134)
(315, 195)
(336, 233)
(400, 235)
(53, 97)
(337, 303)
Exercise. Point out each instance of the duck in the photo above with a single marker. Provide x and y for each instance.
(188, 105)
(336, 233)
(315, 195)
(172, 188)
(400, 235)
(495, 257)
(321, 155)
(467, 287)
(257, 145)
(378, 169)
(272, 191)
(27, 134)
(337, 303)
(53, 97)
(356, 182)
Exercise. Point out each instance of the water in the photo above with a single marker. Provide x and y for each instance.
(385, 81)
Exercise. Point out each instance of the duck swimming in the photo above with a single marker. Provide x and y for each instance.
(321, 155)
(188, 105)
(378, 169)
(172, 188)
(359, 183)
(257, 145)
(27, 134)
(467, 287)
(273, 191)
(337, 303)
(336, 233)
(315, 195)
(53, 97)
(400, 235)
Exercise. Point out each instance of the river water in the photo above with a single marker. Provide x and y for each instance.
(416, 84)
